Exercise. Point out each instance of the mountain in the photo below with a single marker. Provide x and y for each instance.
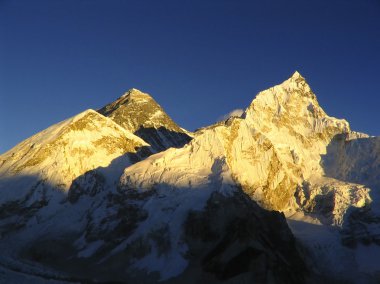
(46, 168)
(282, 194)
(65, 217)
(279, 153)
(139, 113)
(69, 149)
(272, 151)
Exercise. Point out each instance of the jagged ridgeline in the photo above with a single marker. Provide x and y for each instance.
(282, 194)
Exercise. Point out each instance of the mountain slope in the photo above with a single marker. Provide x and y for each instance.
(142, 115)
(275, 152)
(49, 167)
(70, 148)
(270, 152)
(77, 204)
(70, 214)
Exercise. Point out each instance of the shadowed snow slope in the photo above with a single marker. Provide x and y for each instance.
(40, 173)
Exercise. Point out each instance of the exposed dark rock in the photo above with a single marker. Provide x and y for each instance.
(233, 237)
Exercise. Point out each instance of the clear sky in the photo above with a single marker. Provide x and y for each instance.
(198, 59)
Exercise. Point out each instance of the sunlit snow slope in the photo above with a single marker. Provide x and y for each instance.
(63, 152)
(279, 153)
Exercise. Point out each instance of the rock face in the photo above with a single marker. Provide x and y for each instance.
(246, 243)
(278, 153)
(89, 200)
(271, 152)
(142, 115)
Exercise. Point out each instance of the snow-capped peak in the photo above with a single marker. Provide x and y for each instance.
(297, 75)
(189, 206)
(292, 104)
(135, 94)
(69, 149)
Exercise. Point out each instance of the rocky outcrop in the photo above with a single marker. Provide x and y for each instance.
(234, 239)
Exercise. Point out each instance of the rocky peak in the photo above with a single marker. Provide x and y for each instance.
(136, 109)
(135, 94)
(293, 105)
(293, 91)
(297, 77)
(131, 96)
(296, 74)
(139, 113)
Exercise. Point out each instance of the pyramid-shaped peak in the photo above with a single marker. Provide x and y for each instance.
(134, 90)
(293, 93)
(297, 75)
(133, 98)
(135, 93)
(292, 105)
(139, 113)
(297, 85)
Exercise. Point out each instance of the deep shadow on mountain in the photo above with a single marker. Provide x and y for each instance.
(357, 160)
(232, 239)
(16, 212)
(94, 181)
(31, 206)
(37, 240)
(19, 215)
(162, 138)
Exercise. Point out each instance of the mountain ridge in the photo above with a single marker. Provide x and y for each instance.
(289, 173)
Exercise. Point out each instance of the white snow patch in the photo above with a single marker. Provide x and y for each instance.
(235, 112)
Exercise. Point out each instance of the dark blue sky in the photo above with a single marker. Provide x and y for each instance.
(198, 59)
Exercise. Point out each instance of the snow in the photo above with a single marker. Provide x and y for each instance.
(324, 246)
(169, 265)
(63, 152)
(11, 276)
(367, 258)
(276, 146)
(90, 249)
(278, 152)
